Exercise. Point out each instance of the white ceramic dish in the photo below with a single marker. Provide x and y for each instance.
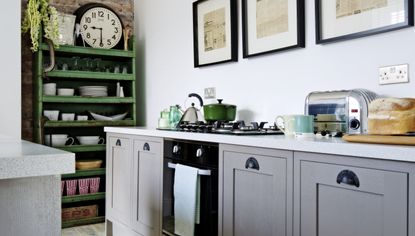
(58, 140)
(109, 118)
(49, 89)
(51, 114)
(68, 116)
(90, 140)
(81, 118)
(66, 92)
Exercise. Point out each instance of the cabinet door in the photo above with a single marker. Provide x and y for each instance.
(257, 191)
(345, 200)
(147, 186)
(119, 179)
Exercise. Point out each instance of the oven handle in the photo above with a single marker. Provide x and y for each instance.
(199, 171)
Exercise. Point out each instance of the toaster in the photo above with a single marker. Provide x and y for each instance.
(339, 112)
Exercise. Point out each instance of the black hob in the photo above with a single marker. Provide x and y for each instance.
(232, 128)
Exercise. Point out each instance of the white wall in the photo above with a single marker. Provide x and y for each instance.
(261, 87)
(10, 78)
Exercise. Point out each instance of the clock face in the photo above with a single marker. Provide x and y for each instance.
(101, 28)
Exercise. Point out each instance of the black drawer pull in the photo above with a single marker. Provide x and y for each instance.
(118, 143)
(348, 177)
(146, 147)
(252, 163)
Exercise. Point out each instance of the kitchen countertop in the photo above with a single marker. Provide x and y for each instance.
(336, 146)
(19, 159)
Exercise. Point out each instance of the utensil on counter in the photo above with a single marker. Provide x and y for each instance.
(219, 111)
(381, 139)
(193, 114)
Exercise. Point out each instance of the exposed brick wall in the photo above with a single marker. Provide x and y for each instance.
(124, 8)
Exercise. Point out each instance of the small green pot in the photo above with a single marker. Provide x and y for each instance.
(219, 111)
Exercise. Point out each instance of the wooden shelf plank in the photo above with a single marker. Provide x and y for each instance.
(89, 123)
(85, 173)
(79, 99)
(90, 75)
(85, 197)
(87, 221)
(90, 51)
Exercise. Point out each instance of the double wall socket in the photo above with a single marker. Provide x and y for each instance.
(394, 74)
(210, 93)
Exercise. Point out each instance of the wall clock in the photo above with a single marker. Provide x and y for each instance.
(100, 26)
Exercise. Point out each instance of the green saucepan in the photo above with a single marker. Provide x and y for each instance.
(219, 111)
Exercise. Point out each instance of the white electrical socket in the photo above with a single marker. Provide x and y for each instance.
(210, 93)
(394, 74)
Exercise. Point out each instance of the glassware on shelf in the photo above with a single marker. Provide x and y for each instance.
(125, 69)
(76, 63)
(116, 69)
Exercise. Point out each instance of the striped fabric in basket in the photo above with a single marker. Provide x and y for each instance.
(71, 187)
(83, 186)
(94, 185)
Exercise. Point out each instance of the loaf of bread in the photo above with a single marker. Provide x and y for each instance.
(391, 116)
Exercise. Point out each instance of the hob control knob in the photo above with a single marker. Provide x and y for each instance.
(200, 152)
(354, 124)
(176, 149)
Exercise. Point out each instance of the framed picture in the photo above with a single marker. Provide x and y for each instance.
(272, 26)
(348, 19)
(215, 36)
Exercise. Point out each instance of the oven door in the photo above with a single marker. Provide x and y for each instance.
(208, 199)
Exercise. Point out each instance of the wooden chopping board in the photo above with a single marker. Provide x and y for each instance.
(380, 139)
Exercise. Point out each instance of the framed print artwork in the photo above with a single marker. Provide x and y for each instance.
(215, 38)
(272, 25)
(347, 19)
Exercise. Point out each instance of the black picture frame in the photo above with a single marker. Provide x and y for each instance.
(408, 22)
(299, 31)
(214, 56)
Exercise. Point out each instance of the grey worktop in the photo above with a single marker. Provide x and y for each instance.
(317, 144)
(19, 159)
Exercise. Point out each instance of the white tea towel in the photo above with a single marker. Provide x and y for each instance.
(185, 188)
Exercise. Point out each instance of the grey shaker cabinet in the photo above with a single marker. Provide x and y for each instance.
(134, 185)
(345, 196)
(255, 189)
(119, 179)
(147, 185)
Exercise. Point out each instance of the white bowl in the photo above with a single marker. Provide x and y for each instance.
(68, 116)
(79, 117)
(109, 118)
(49, 89)
(66, 92)
(90, 140)
(51, 114)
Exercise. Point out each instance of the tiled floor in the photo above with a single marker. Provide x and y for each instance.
(86, 230)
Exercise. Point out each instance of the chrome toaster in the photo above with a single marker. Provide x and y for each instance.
(340, 112)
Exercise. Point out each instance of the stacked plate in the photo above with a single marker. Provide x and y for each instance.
(93, 91)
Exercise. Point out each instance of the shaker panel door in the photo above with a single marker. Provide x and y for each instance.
(119, 181)
(255, 194)
(147, 188)
(346, 200)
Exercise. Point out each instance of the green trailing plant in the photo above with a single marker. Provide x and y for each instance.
(39, 13)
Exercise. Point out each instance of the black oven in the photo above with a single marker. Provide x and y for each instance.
(203, 156)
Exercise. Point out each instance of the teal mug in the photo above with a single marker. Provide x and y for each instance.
(295, 124)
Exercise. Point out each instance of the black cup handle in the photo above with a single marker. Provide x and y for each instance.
(348, 177)
(252, 163)
(118, 143)
(198, 97)
(146, 147)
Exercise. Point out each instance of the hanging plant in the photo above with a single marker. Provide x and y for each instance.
(39, 12)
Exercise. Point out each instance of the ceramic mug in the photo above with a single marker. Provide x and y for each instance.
(295, 124)
(58, 140)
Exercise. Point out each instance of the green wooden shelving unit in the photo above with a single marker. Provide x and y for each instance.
(110, 105)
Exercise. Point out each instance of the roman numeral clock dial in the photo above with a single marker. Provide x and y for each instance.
(100, 27)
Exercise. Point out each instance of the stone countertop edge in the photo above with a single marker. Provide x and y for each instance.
(21, 159)
(335, 146)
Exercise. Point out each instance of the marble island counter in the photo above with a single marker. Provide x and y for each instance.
(19, 159)
(30, 187)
